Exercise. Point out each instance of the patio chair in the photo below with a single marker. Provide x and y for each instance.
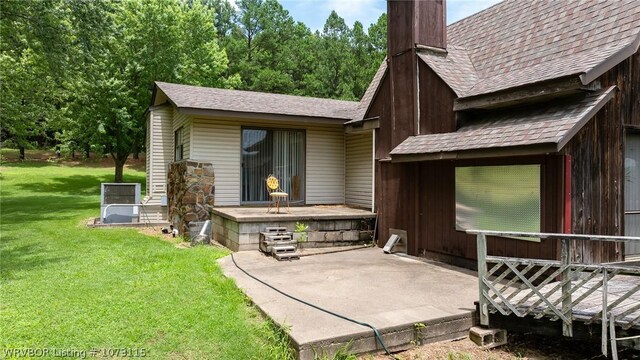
(276, 194)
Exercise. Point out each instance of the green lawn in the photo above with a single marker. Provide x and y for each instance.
(65, 286)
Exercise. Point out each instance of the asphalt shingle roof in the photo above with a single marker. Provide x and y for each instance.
(541, 124)
(517, 42)
(368, 96)
(204, 98)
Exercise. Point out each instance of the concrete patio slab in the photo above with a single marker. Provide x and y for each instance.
(391, 292)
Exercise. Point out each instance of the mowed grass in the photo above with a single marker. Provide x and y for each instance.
(66, 286)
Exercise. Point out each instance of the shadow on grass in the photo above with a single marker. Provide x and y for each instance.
(22, 258)
(27, 164)
(94, 162)
(76, 185)
(23, 210)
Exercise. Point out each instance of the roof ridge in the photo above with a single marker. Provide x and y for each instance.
(256, 92)
(457, 22)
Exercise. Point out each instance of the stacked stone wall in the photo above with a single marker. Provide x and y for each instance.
(190, 192)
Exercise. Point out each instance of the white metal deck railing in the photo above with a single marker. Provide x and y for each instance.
(559, 290)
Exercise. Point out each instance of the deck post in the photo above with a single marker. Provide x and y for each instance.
(605, 303)
(565, 262)
(482, 272)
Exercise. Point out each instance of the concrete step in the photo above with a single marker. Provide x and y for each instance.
(286, 256)
(280, 242)
(275, 229)
(283, 237)
(277, 249)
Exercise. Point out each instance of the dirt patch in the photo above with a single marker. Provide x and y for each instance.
(519, 346)
(157, 233)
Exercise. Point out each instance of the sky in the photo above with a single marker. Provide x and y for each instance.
(314, 13)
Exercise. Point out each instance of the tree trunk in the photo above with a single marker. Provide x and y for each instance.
(87, 151)
(119, 160)
(119, 171)
(21, 148)
(136, 152)
(73, 153)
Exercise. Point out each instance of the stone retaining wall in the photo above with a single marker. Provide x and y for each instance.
(190, 192)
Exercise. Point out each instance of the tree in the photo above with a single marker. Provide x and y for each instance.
(335, 60)
(150, 40)
(33, 38)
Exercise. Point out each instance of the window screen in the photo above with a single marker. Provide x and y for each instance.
(501, 198)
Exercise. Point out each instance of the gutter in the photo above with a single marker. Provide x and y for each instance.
(238, 115)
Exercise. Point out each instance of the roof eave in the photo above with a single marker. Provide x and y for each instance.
(526, 150)
(260, 116)
(365, 125)
(613, 60)
(522, 94)
(608, 94)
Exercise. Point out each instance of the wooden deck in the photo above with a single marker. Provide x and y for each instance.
(590, 307)
(605, 294)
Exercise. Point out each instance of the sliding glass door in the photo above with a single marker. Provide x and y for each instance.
(270, 151)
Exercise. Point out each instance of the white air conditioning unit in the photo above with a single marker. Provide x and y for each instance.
(119, 203)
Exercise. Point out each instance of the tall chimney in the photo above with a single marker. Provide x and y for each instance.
(411, 24)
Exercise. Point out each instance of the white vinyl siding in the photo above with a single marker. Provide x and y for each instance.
(325, 166)
(184, 121)
(160, 151)
(147, 146)
(219, 143)
(359, 170)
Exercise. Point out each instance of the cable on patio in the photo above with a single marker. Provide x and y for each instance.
(375, 331)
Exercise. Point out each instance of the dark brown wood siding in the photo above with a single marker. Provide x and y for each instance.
(431, 29)
(402, 76)
(627, 77)
(381, 107)
(415, 22)
(436, 99)
(597, 153)
(419, 197)
(438, 235)
(399, 26)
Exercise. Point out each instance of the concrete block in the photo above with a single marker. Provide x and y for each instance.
(249, 238)
(366, 235)
(351, 235)
(251, 228)
(343, 225)
(321, 244)
(488, 338)
(245, 247)
(316, 236)
(333, 236)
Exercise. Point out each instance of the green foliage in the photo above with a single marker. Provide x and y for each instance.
(343, 353)
(454, 355)
(418, 333)
(67, 286)
(301, 229)
(80, 73)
